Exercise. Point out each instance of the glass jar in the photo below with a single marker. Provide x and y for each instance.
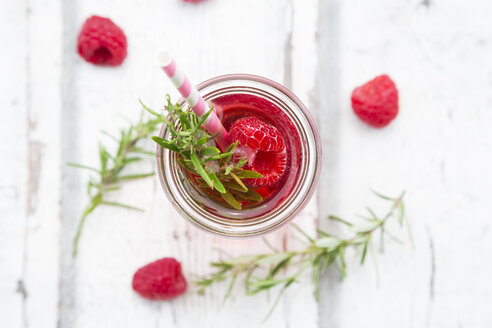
(220, 220)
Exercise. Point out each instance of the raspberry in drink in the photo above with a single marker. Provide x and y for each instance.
(267, 139)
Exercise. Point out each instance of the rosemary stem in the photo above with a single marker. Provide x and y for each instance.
(94, 202)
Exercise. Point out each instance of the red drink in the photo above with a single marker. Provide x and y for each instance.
(247, 105)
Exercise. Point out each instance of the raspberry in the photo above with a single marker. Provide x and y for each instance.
(256, 134)
(264, 148)
(160, 280)
(271, 164)
(376, 102)
(102, 42)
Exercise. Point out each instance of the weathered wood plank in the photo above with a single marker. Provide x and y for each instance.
(438, 149)
(300, 77)
(96, 285)
(42, 242)
(13, 183)
(30, 190)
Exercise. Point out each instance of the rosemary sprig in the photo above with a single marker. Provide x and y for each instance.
(213, 169)
(198, 155)
(108, 177)
(263, 272)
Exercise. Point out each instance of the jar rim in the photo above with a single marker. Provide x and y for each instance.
(193, 212)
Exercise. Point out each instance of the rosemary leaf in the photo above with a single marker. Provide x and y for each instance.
(247, 174)
(216, 157)
(187, 165)
(239, 182)
(250, 195)
(217, 184)
(149, 109)
(230, 150)
(364, 252)
(201, 171)
(135, 176)
(121, 205)
(83, 167)
(228, 170)
(281, 264)
(336, 218)
(142, 151)
(209, 151)
(166, 144)
(273, 258)
(231, 200)
(328, 242)
(202, 119)
(231, 286)
(233, 186)
(201, 141)
(241, 162)
(130, 160)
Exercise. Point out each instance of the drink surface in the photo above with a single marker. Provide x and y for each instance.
(234, 107)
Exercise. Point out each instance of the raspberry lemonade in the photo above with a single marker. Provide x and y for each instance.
(251, 171)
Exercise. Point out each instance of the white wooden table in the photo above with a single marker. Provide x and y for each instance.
(439, 150)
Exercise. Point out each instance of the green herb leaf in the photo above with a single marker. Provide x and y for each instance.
(336, 218)
(274, 258)
(201, 141)
(228, 170)
(241, 162)
(239, 182)
(202, 119)
(366, 226)
(122, 205)
(148, 109)
(166, 144)
(250, 195)
(80, 166)
(231, 200)
(281, 264)
(142, 151)
(135, 176)
(233, 186)
(364, 252)
(216, 157)
(185, 122)
(264, 284)
(130, 160)
(241, 259)
(209, 151)
(187, 165)
(229, 150)
(382, 196)
(328, 242)
(199, 168)
(231, 286)
(247, 174)
(217, 184)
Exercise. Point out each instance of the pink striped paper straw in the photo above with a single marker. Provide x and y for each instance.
(190, 93)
